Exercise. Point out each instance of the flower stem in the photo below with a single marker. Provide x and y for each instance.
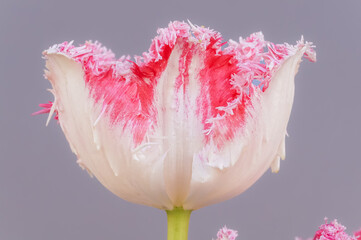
(178, 221)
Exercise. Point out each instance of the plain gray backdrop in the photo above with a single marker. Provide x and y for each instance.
(45, 195)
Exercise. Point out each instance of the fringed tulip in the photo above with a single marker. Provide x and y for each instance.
(227, 234)
(190, 123)
(333, 231)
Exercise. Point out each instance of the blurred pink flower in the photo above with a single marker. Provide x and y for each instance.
(357, 234)
(226, 234)
(327, 231)
(333, 231)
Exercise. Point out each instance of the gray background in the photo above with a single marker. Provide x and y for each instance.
(45, 195)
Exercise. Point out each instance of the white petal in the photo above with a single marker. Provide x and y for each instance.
(179, 132)
(282, 149)
(104, 150)
(259, 148)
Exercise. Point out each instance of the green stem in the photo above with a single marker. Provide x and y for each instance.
(178, 221)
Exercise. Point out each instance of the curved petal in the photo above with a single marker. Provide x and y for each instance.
(179, 130)
(101, 148)
(257, 149)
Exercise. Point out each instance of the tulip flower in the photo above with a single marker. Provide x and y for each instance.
(327, 231)
(190, 123)
(226, 234)
(333, 231)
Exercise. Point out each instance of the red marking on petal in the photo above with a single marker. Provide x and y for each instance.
(182, 81)
(216, 87)
(127, 87)
(226, 81)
